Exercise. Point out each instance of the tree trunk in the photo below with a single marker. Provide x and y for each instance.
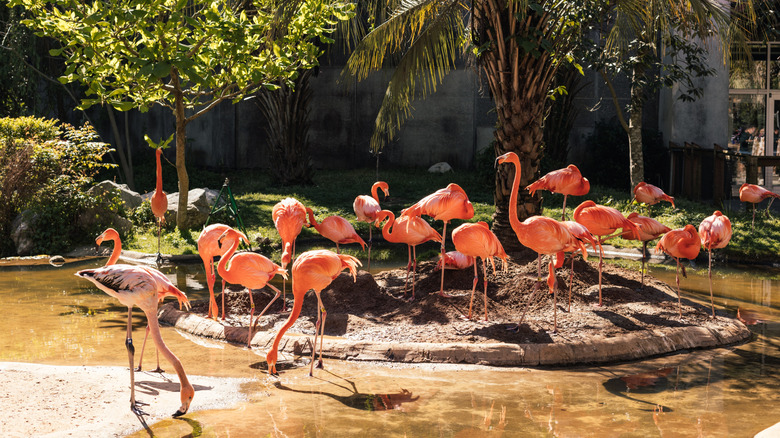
(181, 143)
(636, 159)
(125, 164)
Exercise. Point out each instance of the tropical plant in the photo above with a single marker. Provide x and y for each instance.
(188, 56)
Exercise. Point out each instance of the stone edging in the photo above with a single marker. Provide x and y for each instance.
(638, 345)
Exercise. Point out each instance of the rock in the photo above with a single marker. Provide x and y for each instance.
(57, 260)
(22, 233)
(130, 198)
(106, 218)
(199, 203)
(441, 167)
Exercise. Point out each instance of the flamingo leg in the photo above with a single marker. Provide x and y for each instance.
(278, 293)
(223, 299)
(443, 239)
(533, 294)
(644, 256)
(552, 282)
(319, 329)
(143, 348)
(210, 279)
(130, 352)
(408, 268)
(159, 232)
(709, 273)
(601, 264)
(571, 280)
(563, 213)
(414, 269)
(251, 315)
(370, 240)
(677, 278)
(769, 213)
(284, 294)
(473, 288)
(485, 282)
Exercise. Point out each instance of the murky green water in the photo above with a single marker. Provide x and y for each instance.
(52, 317)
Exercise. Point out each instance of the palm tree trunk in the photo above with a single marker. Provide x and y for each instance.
(636, 159)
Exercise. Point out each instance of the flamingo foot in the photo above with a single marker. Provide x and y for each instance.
(444, 294)
(136, 408)
(158, 370)
(138, 368)
(513, 328)
(319, 364)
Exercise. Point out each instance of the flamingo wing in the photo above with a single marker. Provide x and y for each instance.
(339, 230)
(366, 208)
(715, 231)
(131, 285)
(445, 204)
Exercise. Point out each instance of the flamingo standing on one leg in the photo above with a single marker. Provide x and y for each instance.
(602, 221)
(649, 229)
(582, 234)
(366, 208)
(455, 260)
(755, 194)
(159, 203)
(566, 181)
(208, 248)
(336, 229)
(715, 232)
(312, 270)
(164, 286)
(411, 230)
(476, 240)
(251, 270)
(134, 286)
(289, 217)
(650, 194)
(681, 242)
(543, 235)
(444, 205)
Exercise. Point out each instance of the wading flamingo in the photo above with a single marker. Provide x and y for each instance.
(543, 235)
(134, 286)
(444, 205)
(411, 230)
(755, 194)
(650, 194)
(289, 217)
(251, 270)
(164, 286)
(649, 229)
(602, 221)
(566, 181)
(715, 232)
(582, 234)
(366, 207)
(476, 240)
(159, 202)
(337, 229)
(312, 270)
(455, 260)
(680, 242)
(208, 248)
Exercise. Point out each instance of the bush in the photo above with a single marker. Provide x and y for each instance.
(46, 167)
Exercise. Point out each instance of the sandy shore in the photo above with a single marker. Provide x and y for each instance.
(58, 401)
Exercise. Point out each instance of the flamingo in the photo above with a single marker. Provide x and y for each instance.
(159, 202)
(251, 270)
(135, 286)
(715, 232)
(680, 242)
(312, 270)
(649, 229)
(455, 260)
(411, 230)
(289, 216)
(602, 221)
(582, 234)
(650, 194)
(755, 194)
(208, 248)
(543, 235)
(444, 205)
(164, 286)
(366, 207)
(476, 240)
(566, 181)
(336, 229)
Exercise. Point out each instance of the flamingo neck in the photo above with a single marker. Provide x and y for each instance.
(312, 220)
(115, 253)
(386, 227)
(187, 391)
(517, 226)
(222, 268)
(159, 172)
(294, 313)
(375, 192)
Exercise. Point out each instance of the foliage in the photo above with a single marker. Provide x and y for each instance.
(17, 93)
(45, 168)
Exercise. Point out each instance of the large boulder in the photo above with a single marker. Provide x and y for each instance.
(130, 198)
(22, 233)
(199, 204)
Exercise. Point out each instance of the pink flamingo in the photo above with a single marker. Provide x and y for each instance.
(208, 248)
(251, 270)
(681, 242)
(715, 232)
(367, 207)
(289, 217)
(650, 194)
(476, 240)
(134, 286)
(543, 235)
(602, 221)
(649, 229)
(582, 234)
(159, 202)
(455, 260)
(566, 181)
(755, 194)
(444, 205)
(164, 286)
(337, 229)
(311, 270)
(411, 230)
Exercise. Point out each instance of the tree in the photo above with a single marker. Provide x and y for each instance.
(519, 46)
(186, 55)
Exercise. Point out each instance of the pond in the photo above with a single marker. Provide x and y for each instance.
(720, 392)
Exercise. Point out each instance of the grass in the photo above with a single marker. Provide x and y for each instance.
(334, 192)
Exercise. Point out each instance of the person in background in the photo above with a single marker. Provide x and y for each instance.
(746, 140)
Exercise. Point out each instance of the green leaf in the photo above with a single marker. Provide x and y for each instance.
(161, 70)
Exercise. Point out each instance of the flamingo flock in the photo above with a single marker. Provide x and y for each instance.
(592, 225)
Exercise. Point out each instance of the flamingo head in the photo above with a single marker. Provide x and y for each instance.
(109, 234)
(186, 399)
(509, 156)
(271, 359)
(381, 216)
(384, 186)
(234, 234)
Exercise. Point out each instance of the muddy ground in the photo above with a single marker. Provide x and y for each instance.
(377, 309)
